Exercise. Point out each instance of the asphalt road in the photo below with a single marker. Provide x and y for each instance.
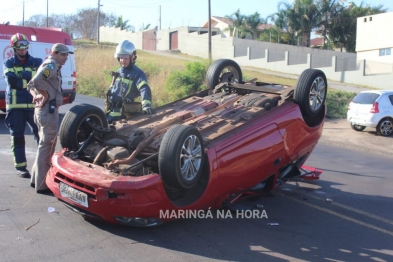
(357, 225)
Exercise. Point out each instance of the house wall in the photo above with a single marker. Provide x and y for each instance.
(338, 66)
(115, 35)
(374, 33)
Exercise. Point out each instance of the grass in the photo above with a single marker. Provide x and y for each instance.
(94, 64)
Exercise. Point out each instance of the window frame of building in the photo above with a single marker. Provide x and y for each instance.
(385, 51)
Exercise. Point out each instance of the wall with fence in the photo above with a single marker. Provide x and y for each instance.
(338, 66)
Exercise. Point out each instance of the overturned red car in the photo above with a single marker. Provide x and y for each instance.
(205, 151)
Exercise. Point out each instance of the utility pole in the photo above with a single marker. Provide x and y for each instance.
(98, 23)
(159, 16)
(210, 33)
(23, 16)
(47, 20)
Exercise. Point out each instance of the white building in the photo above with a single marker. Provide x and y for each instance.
(374, 38)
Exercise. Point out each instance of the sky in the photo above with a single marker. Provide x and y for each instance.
(173, 13)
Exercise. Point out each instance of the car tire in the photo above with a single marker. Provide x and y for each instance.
(74, 129)
(385, 127)
(310, 92)
(357, 127)
(223, 70)
(181, 157)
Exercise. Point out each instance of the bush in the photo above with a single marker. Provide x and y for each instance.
(187, 82)
(149, 68)
(337, 103)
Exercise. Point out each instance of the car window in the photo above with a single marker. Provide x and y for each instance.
(365, 98)
(391, 99)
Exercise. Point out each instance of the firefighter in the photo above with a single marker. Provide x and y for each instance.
(18, 70)
(129, 82)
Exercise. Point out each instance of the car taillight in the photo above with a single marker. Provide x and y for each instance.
(374, 108)
(74, 82)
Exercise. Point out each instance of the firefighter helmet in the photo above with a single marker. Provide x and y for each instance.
(19, 41)
(125, 48)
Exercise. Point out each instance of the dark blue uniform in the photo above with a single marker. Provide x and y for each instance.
(20, 108)
(130, 83)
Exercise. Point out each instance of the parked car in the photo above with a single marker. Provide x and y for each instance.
(372, 109)
(205, 151)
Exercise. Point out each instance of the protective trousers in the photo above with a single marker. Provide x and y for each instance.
(16, 120)
(47, 125)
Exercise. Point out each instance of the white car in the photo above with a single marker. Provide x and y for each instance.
(372, 109)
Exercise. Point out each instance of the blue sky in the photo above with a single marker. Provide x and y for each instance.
(174, 13)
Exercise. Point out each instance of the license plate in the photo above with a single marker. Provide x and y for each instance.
(74, 194)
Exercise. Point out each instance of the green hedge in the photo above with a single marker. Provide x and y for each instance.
(337, 103)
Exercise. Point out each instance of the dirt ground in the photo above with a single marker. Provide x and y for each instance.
(338, 132)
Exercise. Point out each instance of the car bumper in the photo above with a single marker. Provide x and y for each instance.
(116, 199)
(368, 120)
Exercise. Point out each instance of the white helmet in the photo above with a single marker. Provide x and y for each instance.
(125, 48)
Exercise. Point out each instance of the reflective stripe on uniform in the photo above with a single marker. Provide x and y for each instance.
(24, 82)
(14, 103)
(20, 164)
(23, 164)
(126, 81)
(142, 83)
(115, 114)
(9, 70)
(146, 102)
(129, 84)
(13, 106)
(18, 69)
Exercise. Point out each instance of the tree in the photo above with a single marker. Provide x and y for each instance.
(274, 34)
(143, 27)
(343, 31)
(287, 21)
(253, 21)
(330, 11)
(238, 27)
(81, 25)
(308, 15)
(123, 24)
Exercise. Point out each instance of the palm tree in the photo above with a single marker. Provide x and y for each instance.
(238, 27)
(287, 21)
(330, 11)
(253, 21)
(143, 27)
(123, 24)
(308, 15)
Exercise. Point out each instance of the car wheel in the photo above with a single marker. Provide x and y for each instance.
(385, 127)
(310, 92)
(181, 156)
(74, 128)
(357, 127)
(223, 70)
